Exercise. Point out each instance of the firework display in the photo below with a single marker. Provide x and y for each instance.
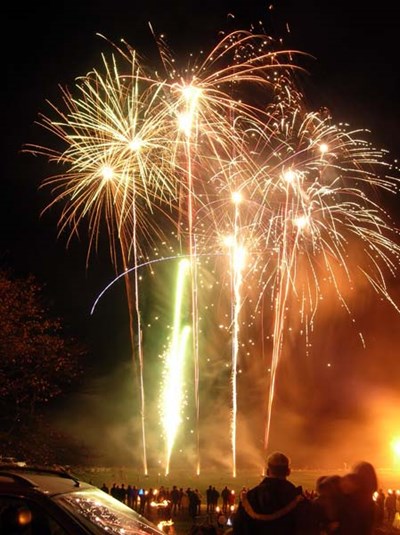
(220, 162)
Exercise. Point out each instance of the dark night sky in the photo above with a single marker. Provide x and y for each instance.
(355, 74)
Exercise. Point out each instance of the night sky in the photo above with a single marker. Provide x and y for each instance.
(355, 73)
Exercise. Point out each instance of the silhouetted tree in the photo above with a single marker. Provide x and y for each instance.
(38, 361)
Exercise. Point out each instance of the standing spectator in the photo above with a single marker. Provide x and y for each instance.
(199, 499)
(175, 497)
(225, 493)
(123, 493)
(270, 507)
(357, 514)
(215, 498)
(193, 503)
(134, 495)
(390, 507)
(129, 496)
(326, 503)
(114, 491)
(142, 501)
(181, 493)
(209, 496)
(104, 488)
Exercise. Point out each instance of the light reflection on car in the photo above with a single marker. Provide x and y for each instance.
(52, 501)
(97, 508)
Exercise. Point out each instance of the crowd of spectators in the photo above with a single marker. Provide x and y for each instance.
(351, 504)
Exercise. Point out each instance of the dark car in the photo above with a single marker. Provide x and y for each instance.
(47, 501)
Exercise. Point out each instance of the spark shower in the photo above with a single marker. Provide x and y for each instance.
(218, 161)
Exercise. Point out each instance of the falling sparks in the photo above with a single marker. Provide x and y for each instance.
(172, 396)
(167, 162)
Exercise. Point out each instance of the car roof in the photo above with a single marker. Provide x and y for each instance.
(49, 481)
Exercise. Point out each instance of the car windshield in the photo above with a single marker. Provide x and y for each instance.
(96, 508)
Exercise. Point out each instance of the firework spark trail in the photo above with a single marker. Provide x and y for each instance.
(188, 123)
(117, 149)
(139, 339)
(172, 394)
(285, 262)
(316, 203)
(147, 152)
(237, 266)
(201, 106)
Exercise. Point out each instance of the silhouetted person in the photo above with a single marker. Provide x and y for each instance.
(199, 498)
(175, 497)
(270, 507)
(357, 515)
(215, 498)
(390, 506)
(225, 493)
(193, 503)
(209, 496)
(135, 497)
(326, 504)
(142, 501)
(131, 496)
(122, 494)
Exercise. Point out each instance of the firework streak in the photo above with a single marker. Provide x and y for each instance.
(158, 158)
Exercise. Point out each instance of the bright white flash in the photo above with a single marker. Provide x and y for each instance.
(172, 393)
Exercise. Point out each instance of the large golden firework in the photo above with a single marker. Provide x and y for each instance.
(223, 151)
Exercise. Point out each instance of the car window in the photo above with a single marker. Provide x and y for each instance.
(96, 508)
(20, 516)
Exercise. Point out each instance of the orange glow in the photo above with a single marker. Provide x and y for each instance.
(395, 444)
